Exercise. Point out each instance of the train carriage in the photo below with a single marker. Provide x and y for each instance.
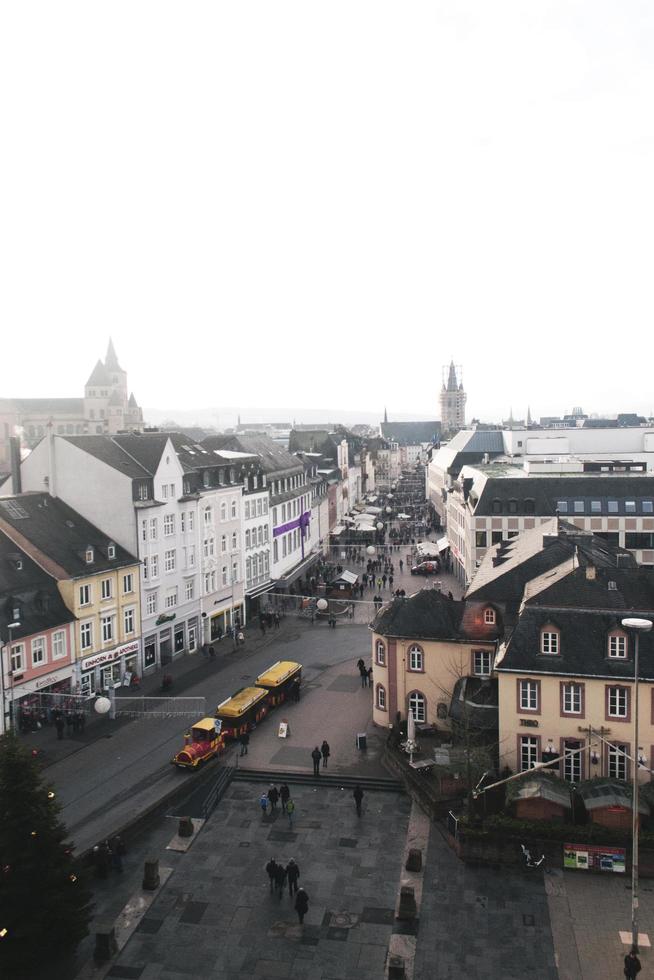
(243, 711)
(280, 680)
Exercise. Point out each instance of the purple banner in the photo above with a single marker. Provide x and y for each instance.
(301, 521)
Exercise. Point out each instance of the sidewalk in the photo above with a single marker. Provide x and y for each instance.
(186, 670)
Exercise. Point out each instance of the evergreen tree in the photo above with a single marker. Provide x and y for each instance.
(44, 904)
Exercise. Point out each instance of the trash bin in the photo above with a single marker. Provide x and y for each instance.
(361, 741)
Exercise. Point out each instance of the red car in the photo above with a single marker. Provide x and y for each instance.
(426, 568)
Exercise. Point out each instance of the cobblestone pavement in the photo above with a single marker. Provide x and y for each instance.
(481, 923)
(587, 912)
(217, 919)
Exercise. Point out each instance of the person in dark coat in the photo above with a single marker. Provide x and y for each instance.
(370, 676)
(244, 739)
(60, 725)
(358, 798)
(316, 755)
(301, 904)
(632, 965)
(324, 751)
(273, 796)
(295, 690)
(364, 674)
(292, 873)
(280, 879)
(284, 795)
(271, 868)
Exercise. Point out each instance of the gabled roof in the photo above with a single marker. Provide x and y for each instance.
(99, 375)
(313, 440)
(506, 568)
(275, 460)
(411, 433)
(38, 599)
(45, 406)
(427, 615)
(132, 401)
(60, 533)
(108, 451)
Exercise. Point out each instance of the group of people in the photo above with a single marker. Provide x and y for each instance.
(109, 854)
(268, 620)
(320, 754)
(278, 876)
(274, 796)
(365, 673)
(73, 722)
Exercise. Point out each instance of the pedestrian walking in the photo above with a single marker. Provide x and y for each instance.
(316, 756)
(212, 653)
(324, 750)
(295, 690)
(390, 581)
(276, 620)
(301, 904)
(364, 675)
(60, 725)
(81, 721)
(69, 723)
(369, 676)
(289, 810)
(244, 739)
(271, 867)
(273, 796)
(284, 794)
(262, 626)
(358, 798)
(384, 580)
(280, 879)
(360, 664)
(292, 873)
(632, 965)
(263, 803)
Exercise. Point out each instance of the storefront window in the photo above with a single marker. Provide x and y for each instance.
(86, 684)
(149, 651)
(179, 638)
(110, 674)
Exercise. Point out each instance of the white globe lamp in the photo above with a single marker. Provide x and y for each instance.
(370, 550)
(380, 526)
(322, 604)
(102, 705)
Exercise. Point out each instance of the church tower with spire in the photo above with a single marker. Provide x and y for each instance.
(107, 405)
(452, 400)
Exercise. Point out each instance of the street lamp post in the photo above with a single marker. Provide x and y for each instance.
(636, 627)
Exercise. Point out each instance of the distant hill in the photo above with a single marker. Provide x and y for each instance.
(223, 417)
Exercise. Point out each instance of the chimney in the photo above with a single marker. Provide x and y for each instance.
(14, 453)
(591, 573)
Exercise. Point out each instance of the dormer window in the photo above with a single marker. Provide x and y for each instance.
(550, 641)
(88, 556)
(618, 645)
(111, 551)
(489, 616)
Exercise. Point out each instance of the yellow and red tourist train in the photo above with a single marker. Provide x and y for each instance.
(240, 713)
(204, 741)
(249, 706)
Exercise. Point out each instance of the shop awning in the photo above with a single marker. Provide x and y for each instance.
(296, 572)
(337, 530)
(259, 590)
(442, 544)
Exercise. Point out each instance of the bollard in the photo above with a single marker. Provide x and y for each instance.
(396, 968)
(151, 874)
(414, 860)
(185, 827)
(105, 941)
(407, 908)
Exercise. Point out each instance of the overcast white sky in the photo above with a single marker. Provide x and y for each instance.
(319, 204)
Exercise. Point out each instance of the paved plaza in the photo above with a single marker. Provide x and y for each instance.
(216, 918)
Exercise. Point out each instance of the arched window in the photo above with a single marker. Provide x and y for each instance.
(233, 508)
(489, 616)
(380, 650)
(208, 516)
(550, 640)
(223, 511)
(617, 647)
(381, 697)
(418, 706)
(416, 658)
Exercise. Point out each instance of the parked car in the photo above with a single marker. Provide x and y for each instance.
(426, 568)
